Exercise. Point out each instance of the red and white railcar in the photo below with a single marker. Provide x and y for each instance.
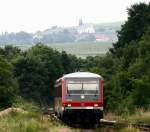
(79, 97)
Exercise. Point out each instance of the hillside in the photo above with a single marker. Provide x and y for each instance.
(82, 33)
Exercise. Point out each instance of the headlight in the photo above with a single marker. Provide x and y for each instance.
(82, 96)
(95, 105)
(62, 108)
(69, 105)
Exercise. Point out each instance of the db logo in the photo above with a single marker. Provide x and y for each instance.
(82, 104)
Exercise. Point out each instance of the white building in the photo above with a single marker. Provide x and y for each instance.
(85, 28)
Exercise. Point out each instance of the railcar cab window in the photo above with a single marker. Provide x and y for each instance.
(82, 87)
(58, 89)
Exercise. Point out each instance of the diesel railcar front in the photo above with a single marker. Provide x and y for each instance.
(79, 97)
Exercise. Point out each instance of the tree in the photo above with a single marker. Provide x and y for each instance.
(37, 71)
(128, 81)
(141, 93)
(134, 27)
(10, 52)
(8, 84)
(69, 62)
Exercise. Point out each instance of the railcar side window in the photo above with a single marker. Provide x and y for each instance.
(58, 89)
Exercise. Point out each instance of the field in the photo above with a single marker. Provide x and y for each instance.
(83, 49)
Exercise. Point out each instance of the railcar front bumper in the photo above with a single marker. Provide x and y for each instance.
(78, 114)
(83, 108)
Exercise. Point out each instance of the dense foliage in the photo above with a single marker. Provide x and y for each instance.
(38, 69)
(126, 69)
(134, 28)
(8, 84)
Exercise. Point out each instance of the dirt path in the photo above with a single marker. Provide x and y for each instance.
(9, 110)
(70, 130)
(87, 130)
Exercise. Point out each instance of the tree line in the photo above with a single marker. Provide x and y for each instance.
(35, 71)
(126, 68)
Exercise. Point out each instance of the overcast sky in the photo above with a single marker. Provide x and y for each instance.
(33, 15)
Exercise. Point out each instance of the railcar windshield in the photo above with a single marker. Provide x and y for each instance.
(82, 86)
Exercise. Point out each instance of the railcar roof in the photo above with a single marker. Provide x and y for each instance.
(82, 75)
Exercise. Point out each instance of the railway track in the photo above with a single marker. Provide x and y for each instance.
(103, 122)
(142, 127)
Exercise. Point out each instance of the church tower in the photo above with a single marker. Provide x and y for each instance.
(80, 22)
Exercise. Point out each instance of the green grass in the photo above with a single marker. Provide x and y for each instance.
(31, 120)
(19, 122)
(116, 129)
(139, 117)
